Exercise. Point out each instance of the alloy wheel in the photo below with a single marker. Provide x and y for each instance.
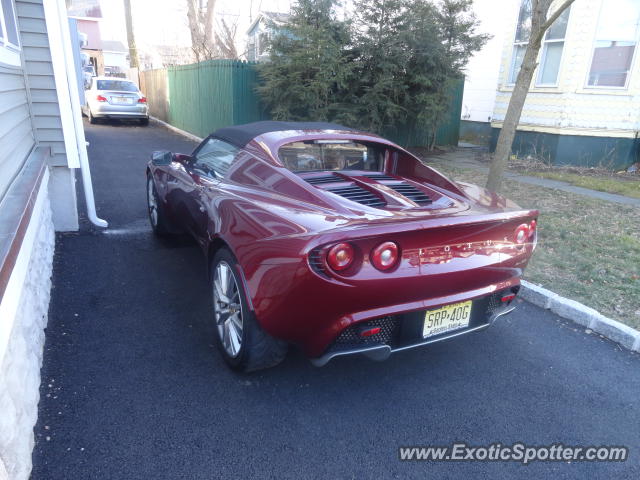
(227, 309)
(153, 203)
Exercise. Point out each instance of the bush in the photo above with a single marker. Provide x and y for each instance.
(392, 63)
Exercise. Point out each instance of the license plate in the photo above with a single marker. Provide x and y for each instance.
(121, 100)
(447, 318)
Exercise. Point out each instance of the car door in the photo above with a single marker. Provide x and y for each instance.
(207, 169)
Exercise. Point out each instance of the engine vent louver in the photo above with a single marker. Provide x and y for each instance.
(323, 179)
(379, 176)
(358, 194)
(412, 193)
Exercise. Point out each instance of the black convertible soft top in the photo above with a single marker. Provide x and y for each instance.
(240, 135)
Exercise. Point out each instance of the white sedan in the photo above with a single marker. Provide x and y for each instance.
(110, 97)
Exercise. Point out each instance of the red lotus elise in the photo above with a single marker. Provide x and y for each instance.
(337, 241)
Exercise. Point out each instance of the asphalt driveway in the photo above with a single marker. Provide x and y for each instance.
(133, 388)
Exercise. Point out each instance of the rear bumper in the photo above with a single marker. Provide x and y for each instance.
(104, 110)
(313, 313)
(297, 298)
(131, 115)
(406, 332)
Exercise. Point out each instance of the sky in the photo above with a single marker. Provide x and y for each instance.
(164, 22)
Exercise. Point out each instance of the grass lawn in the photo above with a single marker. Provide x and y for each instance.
(588, 249)
(630, 188)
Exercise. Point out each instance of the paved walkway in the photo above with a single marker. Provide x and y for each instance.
(463, 158)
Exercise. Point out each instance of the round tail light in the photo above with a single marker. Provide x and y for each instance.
(521, 234)
(340, 256)
(385, 256)
(532, 228)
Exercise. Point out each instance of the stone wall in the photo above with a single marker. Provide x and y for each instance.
(20, 365)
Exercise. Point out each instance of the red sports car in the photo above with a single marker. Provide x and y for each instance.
(337, 241)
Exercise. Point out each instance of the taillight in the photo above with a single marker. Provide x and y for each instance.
(142, 100)
(385, 256)
(522, 234)
(340, 256)
(525, 233)
(100, 98)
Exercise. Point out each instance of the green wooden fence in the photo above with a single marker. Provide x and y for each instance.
(208, 95)
(413, 135)
(203, 97)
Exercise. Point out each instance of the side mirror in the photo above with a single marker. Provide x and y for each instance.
(185, 160)
(161, 157)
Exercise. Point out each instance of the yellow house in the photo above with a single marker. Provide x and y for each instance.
(583, 107)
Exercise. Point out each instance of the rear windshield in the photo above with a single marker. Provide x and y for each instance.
(313, 155)
(119, 85)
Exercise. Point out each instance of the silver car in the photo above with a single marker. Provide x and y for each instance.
(110, 97)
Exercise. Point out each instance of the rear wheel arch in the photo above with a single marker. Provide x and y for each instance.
(257, 349)
(217, 244)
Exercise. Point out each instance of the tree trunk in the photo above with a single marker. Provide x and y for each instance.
(540, 23)
(194, 28)
(512, 118)
(133, 51)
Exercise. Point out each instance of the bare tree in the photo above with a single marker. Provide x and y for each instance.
(201, 28)
(542, 17)
(133, 50)
(226, 39)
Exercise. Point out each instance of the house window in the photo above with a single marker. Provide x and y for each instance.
(251, 49)
(523, 31)
(551, 50)
(616, 39)
(9, 43)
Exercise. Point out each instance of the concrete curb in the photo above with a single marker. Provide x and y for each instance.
(176, 129)
(582, 315)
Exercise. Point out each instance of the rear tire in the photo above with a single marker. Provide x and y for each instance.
(92, 120)
(144, 122)
(244, 345)
(157, 216)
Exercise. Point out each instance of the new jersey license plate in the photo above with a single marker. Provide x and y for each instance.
(447, 318)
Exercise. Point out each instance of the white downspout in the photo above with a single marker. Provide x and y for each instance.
(68, 95)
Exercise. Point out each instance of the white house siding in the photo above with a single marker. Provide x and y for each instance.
(16, 136)
(30, 128)
(482, 71)
(23, 312)
(45, 110)
(35, 46)
(570, 108)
